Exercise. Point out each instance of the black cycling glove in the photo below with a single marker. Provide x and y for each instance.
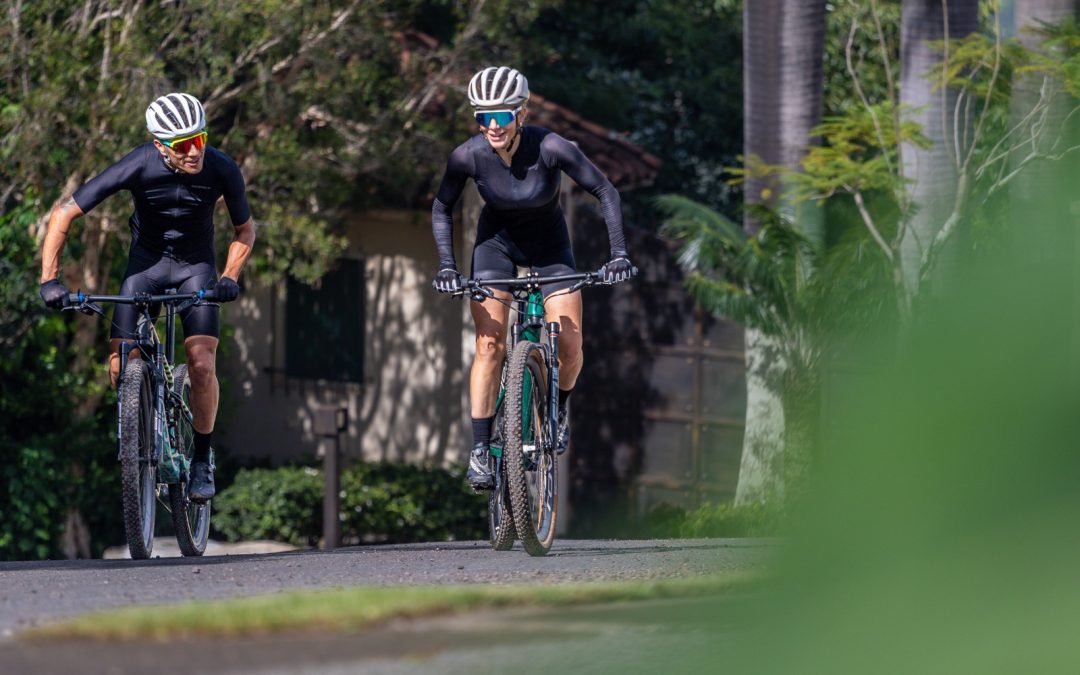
(54, 294)
(226, 289)
(448, 280)
(617, 270)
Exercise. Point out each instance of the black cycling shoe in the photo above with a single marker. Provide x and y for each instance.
(479, 474)
(563, 441)
(201, 485)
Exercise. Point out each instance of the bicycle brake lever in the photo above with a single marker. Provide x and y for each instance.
(90, 308)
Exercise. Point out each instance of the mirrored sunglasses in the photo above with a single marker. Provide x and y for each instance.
(502, 117)
(184, 145)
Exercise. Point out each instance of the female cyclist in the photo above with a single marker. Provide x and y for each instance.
(517, 170)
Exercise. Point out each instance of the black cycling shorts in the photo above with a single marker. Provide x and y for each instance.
(498, 257)
(150, 272)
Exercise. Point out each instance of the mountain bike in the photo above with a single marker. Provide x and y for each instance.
(524, 503)
(155, 429)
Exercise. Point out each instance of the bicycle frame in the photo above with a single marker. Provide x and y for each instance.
(530, 321)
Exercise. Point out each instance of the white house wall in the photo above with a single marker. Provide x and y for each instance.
(410, 405)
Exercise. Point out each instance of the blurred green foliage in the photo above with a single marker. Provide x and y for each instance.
(386, 503)
(937, 536)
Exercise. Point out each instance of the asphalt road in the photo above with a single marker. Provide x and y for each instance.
(35, 592)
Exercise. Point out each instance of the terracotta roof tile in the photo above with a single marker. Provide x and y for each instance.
(626, 164)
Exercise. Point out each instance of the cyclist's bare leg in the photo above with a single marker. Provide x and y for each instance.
(490, 317)
(201, 359)
(114, 359)
(566, 309)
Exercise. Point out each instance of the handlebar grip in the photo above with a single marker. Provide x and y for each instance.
(76, 298)
(207, 295)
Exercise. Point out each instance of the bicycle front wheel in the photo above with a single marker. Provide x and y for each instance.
(137, 471)
(191, 520)
(529, 458)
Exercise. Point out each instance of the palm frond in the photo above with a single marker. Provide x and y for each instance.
(723, 298)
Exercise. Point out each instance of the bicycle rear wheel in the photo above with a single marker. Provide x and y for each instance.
(191, 521)
(137, 471)
(529, 458)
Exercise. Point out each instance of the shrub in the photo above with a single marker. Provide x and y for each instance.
(729, 520)
(404, 503)
(391, 503)
(33, 513)
(712, 520)
(282, 504)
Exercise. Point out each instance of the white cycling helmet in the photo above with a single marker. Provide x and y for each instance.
(498, 86)
(174, 116)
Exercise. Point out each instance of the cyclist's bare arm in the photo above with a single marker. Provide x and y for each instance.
(56, 236)
(239, 249)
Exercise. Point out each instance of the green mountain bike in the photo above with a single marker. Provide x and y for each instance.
(155, 430)
(524, 504)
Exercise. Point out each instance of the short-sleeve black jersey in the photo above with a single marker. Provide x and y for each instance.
(521, 200)
(173, 211)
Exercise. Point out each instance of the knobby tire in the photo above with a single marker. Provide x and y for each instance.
(532, 480)
(138, 475)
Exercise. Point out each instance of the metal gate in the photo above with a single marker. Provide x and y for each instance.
(659, 409)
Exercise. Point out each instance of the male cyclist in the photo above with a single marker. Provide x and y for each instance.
(175, 181)
(517, 170)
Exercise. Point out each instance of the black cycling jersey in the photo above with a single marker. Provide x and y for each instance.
(174, 211)
(521, 200)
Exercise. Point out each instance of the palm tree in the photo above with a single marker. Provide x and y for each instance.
(783, 48)
(932, 168)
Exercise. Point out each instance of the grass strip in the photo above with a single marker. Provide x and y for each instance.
(351, 609)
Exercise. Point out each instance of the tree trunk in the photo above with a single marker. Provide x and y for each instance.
(933, 170)
(783, 48)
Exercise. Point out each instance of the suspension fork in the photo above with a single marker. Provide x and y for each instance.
(161, 431)
(553, 394)
(125, 347)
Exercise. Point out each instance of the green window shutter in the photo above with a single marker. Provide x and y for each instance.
(324, 326)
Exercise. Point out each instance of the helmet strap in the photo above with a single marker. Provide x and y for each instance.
(169, 163)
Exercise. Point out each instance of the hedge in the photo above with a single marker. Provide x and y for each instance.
(385, 503)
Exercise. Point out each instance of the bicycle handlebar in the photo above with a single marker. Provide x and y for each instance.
(203, 294)
(530, 280)
(87, 304)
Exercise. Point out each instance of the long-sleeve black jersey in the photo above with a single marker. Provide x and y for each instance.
(521, 200)
(174, 211)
